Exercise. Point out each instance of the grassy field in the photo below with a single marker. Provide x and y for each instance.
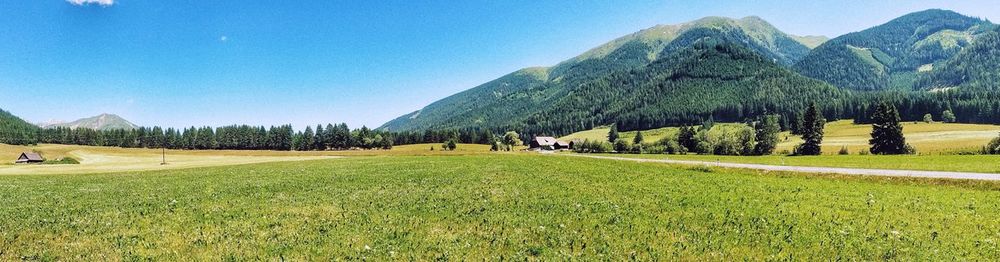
(492, 206)
(928, 138)
(958, 163)
(112, 159)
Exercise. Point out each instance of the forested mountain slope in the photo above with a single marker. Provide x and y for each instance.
(512, 99)
(14, 130)
(711, 79)
(976, 68)
(892, 54)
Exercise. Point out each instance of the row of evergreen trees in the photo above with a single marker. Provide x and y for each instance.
(236, 137)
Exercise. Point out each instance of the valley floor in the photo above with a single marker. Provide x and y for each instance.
(492, 206)
(412, 203)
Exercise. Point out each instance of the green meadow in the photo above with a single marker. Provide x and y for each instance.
(492, 207)
(952, 163)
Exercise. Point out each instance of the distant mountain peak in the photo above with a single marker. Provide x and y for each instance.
(104, 121)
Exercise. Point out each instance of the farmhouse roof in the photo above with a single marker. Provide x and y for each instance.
(545, 140)
(31, 156)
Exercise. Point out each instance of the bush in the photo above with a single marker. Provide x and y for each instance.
(672, 147)
(909, 150)
(656, 149)
(62, 161)
(703, 148)
(637, 148)
(588, 146)
(843, 151)
(621, 146)
(993, 147)
(948, 117)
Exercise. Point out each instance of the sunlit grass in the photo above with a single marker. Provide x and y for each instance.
(488, 207)
(958, 163)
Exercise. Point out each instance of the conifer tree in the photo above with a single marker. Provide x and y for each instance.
(812, 132)
(887, 132)
(307, 139)
(766, 135)
(638, 138)
(318, 140)
(613, 134)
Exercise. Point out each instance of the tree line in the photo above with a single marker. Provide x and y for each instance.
(15, 131)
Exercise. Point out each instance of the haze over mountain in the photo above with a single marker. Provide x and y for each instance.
(728, 69)
(99, 122)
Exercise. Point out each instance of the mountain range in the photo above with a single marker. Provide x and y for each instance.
(99, 122)
(719, 67)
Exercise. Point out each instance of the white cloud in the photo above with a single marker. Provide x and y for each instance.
(96, 2)
(224, 38)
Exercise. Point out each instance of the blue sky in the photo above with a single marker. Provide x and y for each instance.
(191, 62)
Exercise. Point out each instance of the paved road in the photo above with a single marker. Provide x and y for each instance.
(823, 170)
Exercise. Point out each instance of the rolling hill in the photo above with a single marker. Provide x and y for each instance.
(515, 99)
(100, 122)
(891, 55)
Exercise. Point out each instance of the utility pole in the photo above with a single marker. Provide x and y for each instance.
(164, 156)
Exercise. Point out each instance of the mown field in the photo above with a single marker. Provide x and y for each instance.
(927, 138)
(112, 159)
(492, 207)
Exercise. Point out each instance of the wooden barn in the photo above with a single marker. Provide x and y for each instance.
(29, 158)
(547, 143)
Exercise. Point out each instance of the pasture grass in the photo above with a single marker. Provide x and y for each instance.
(956, 163)
(492, 207)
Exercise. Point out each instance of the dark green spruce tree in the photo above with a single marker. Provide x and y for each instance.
(812, 132)
(887, 132)
(613, 134)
